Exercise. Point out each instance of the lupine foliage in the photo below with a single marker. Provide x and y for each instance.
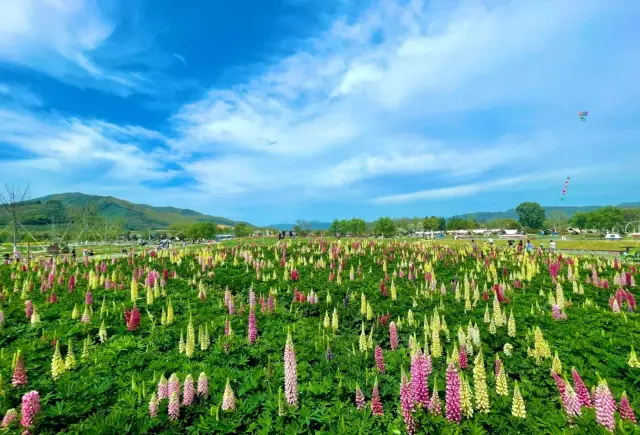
(111, 345)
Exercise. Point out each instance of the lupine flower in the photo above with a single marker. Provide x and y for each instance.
(572, 404)
(406, 402)
(228, 398)
(9, 418)
(203, 385)
(462, 357)
(517, 405)
(174, 406)
(163, 388)
(252, 334)
(605, 405)
(290, 372)
(57, 364)
(132, 318)
(328, 354)
(173, 385)
(379, 359)
(153, 406)
(393, 335)
(480, 384)
(28, 309)
(419, 378)
(360, 402)
(30, 408)
(188, 391)
(19, 371)
(435, 408)
(88, 298)
(581, 389)
(626, 411)
(452, 396)
(376, 404)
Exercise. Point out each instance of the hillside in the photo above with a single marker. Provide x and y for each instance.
(39, 212)
(484, 216)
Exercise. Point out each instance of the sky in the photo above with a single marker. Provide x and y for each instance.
(276, 110)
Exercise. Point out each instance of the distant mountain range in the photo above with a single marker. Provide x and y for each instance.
(38, 212)
(484, 216)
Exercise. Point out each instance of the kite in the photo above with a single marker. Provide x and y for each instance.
(564, 188)
(583, 115)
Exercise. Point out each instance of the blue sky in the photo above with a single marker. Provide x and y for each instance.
(270, 111)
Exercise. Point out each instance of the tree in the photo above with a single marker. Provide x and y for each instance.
(357, 227)
(431, 223)
(579, 220)
(12, 202)
(384, 226)
(531, 214)
(557, 220)
(242, 229)
(302, 227)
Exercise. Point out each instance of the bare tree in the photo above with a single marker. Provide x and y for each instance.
(12, 202)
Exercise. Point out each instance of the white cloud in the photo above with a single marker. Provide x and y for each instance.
(18, 94)
(61, 144)
(341, 105)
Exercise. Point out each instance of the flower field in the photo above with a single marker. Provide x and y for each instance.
(321, 337)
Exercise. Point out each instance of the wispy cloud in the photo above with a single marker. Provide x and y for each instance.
(18, 94)
(464, 96)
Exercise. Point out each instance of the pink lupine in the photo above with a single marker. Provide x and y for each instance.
(462, 357)
(19, 372)
(231, 306)
(174, 406)
(252, 299)
(435, 408)
(376, 403)
(132, 318)
(188, 391)
(626, 411)
(203, 385)
(406, 402)
(290, 372)
(419, 378)
(295, 276)
(163, 388)
(153, 406)
(28, 309)
(605, 406)
(360, 402)
(452, 395)
(572, 404)
(393, 335)
(562, 387)
(497, 367)
(30, 408)
(271, 303)
(173, 385)
(252, 333)
(379, 359)
(88, 298)
(72, 283)
(581, 390)
(9, 418)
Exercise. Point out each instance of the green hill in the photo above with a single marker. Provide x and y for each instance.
(512, 214)
(39, 212)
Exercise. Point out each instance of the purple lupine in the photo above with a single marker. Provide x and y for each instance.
(203, 385)
(290, 372)
(452, 395)
(581, 390)
(30, 408)
(393, 335)
(419, 378)
(360, 402)
(626, 411)
(252, 333)
(379, 359)
(188, 391)
(605, 406)
(376, 403)
(406, 402)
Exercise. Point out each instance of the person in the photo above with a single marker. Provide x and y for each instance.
(552, 246)
(529, 246)
(542, 246)
(84, 252)
(510, 243)
(473, 244)
(6, 257)
(490, 241)
(73, 253)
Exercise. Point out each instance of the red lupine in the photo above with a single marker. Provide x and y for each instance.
(132, 318)
(376, 403)
(626, 411)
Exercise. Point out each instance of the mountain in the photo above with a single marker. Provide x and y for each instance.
(549, 211)
(38, 212)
